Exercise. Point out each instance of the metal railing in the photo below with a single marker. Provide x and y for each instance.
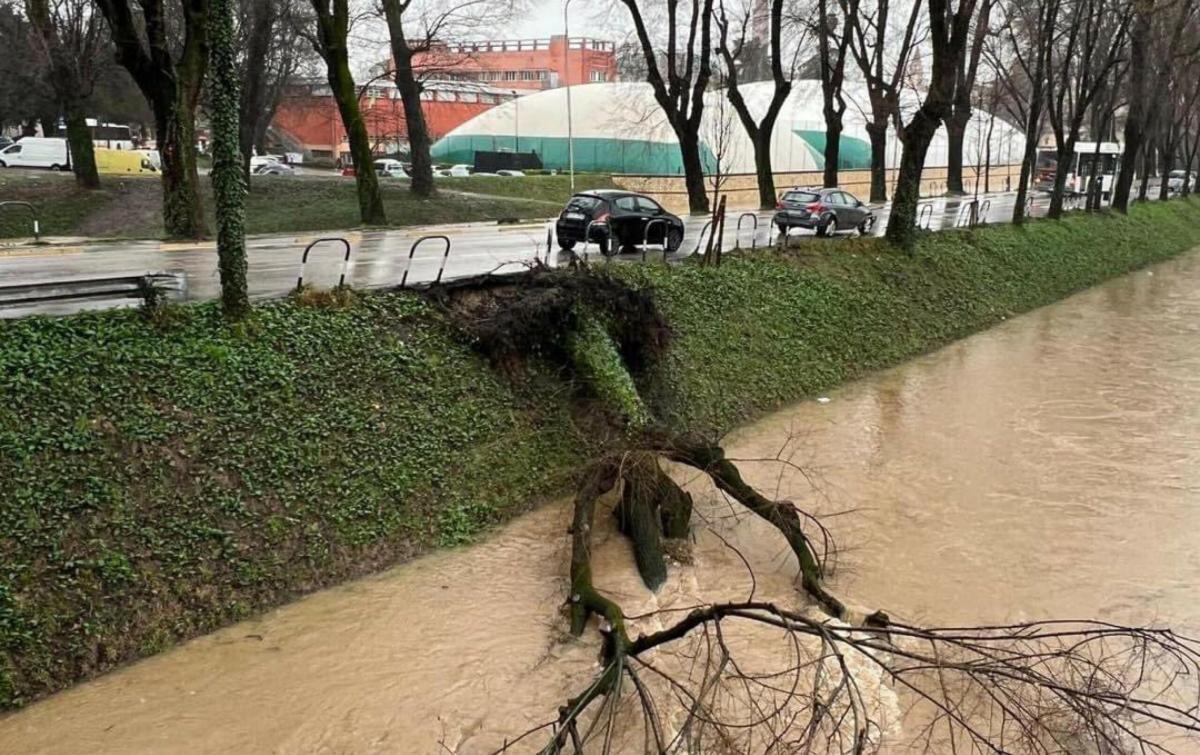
(587, 238)
(700, 238)
(413, 250)
(327, 240)
(33, 215)
(925, 216)
(646, 236)
(737, 242)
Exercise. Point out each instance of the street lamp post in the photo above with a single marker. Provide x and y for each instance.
(570, 126)
(516, 122)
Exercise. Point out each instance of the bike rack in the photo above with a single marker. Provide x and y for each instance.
(700, 238)
(925, 213)
(413, 250)
(328, 240)
(985, 209)
(1029, 207)
(587, 237)
(33, 215)
(646, 237)
(737, 244)
(549, 243)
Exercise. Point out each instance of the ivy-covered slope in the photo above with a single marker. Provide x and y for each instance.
(160, 480)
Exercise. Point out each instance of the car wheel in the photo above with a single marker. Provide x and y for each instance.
(606, 249)
(830, 227)
(3, 164)
(56, 168)
(867, 225)
(674, 240)
(566, 245)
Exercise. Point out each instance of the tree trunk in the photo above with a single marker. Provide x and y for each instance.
(1029, 158)
(764, 170)
(877, 131)
(693, 170)
(956, 129)
(83, 151)
(1139, 40)
(917, 137)
(253, 101)
(341, 82)
(1147, 169)
(1063, 155)
(833, 147)
(420, 143)
(228, 172)
(1166, 160)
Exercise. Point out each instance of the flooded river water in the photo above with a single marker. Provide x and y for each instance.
(1048, 467)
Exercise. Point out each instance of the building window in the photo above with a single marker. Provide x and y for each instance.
(510, 75)
(444, 96)
(468, 97)
(599, 76)
(488, 98)
(426, 95)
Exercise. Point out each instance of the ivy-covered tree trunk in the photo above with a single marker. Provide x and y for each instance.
(420, 143)
(877, 131)
(171, 83)
(333, 28)
(83, 151)
(228, 174)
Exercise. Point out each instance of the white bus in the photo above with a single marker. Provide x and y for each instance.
(1079, 167)
(106, 135)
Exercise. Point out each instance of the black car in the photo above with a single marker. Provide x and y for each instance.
(826, 211)
(619, 220)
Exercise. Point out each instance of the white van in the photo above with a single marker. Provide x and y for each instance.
(33, 152)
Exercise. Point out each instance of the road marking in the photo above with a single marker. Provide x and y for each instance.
(50, 251)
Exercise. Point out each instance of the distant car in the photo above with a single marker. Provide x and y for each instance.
(35, 152)
(617, 220)
(274, 169)
(511, 173)
(258, 161)
(349, 171)
(1176, 179)
(388, 168)
(826, 211)
(5, 142)
(456, 171)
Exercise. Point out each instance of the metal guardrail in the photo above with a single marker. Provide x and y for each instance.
(646, 236)
(143, 286)
(328, 240)
(413, 250)
(737, 242)
(33, 215)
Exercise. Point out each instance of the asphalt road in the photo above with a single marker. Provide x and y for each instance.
(378, 259)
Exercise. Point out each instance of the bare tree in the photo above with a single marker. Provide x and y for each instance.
(687, 59)
(732, 50)
(949, 34)
(331, 43)
(273, 51)
(170, 74)
(882, 60)
(1086, 52)
(833, 36)
(72, 43)
(964, 90)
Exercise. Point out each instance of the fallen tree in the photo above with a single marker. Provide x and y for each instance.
(1038, 687)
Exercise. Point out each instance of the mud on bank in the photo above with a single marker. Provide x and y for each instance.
(158, 480)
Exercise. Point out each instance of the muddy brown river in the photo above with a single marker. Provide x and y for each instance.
(1047, 467)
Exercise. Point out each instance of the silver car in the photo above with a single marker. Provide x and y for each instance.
(1176, 180)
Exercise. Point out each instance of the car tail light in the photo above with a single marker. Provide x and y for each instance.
(815, 207)
(601, 218)
(780, 205)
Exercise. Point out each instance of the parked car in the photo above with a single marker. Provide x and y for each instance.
(273, 169)
(826, 211)
(34, 152)
(456, 171)
(1176, 179)
(618, 220)
(388, 168)
(511, 173)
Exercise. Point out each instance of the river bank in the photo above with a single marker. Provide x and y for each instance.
(1020, 473)
(161, 479)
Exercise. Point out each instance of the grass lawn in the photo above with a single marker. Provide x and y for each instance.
(130, 207)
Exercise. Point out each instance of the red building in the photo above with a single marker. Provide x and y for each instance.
(529, 64)
(461, 81)
(308, 121)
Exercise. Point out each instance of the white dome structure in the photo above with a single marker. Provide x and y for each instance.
(620, 128)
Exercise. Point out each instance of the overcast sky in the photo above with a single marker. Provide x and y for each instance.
(546, 18)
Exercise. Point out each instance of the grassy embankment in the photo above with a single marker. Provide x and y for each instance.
(160, 480)
(131, 207)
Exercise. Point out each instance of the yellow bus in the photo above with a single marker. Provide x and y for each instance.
(123, 162)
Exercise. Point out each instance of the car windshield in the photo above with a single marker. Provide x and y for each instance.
(801, 196)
